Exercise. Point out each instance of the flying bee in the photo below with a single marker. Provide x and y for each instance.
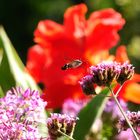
(73, 64)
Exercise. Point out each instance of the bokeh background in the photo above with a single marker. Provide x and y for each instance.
(20, 18)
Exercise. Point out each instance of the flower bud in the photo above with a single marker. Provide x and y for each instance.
(87, 85)
(126, 72)
(58, 123)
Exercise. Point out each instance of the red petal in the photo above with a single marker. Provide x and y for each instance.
(133, 93)
(56, 94)
(130, 92)
(121, 54)
(48, 30)
(74, 20)
(102, 28)
(108, 17)
(37, 58)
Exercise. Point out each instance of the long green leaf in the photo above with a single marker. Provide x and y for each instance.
(1, 92)
(89, 114)
(12, 70)
(6, 78)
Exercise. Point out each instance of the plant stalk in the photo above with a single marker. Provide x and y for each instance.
(123, 113)
(116, 95)
(66, 135)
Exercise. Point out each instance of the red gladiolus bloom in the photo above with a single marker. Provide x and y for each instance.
(77, 38)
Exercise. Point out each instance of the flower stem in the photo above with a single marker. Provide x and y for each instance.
(66, 135)
(123, 113)
(116, 95)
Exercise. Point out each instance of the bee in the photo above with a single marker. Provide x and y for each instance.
(73, 64)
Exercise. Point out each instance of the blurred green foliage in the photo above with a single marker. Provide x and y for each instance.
(20, 19)
(12, 69)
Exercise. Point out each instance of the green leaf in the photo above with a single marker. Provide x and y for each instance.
(12, 70)
(89, 114)
(1, 92)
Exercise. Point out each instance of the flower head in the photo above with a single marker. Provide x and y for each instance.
(87, 85)
(73, 107)
(76, 38)
(126, 72)
(104, 73)
(131, 88)
(134, 118)
(19, 113)
(58, 123)
(112, 108)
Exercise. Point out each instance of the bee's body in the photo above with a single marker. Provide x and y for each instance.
(71, 65)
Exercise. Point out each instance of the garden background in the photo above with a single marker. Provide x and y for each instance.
(20, 19)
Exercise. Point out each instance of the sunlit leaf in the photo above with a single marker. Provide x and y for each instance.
(1, 92)
(12, 70)
(89, 114)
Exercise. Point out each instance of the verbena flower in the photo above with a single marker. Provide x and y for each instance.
(21, 112)
(112, 108)
(73, 107)
(131, 88)
(104, 73)
(87, 85)
(77, 38)
(126, 72)
(58, 123)
(134, 118)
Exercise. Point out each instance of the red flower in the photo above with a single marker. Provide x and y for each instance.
(121, 54)
(131, 90)
(88, 40)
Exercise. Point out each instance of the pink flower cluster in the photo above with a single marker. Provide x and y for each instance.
(21, 114)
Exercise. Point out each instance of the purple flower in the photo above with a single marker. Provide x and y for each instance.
(58, 123)
(126, 72)
(134, 118)
(87, 85)
(73, 107)
(21, 112)
(125, 135)
(104, 73)
(112, 108)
